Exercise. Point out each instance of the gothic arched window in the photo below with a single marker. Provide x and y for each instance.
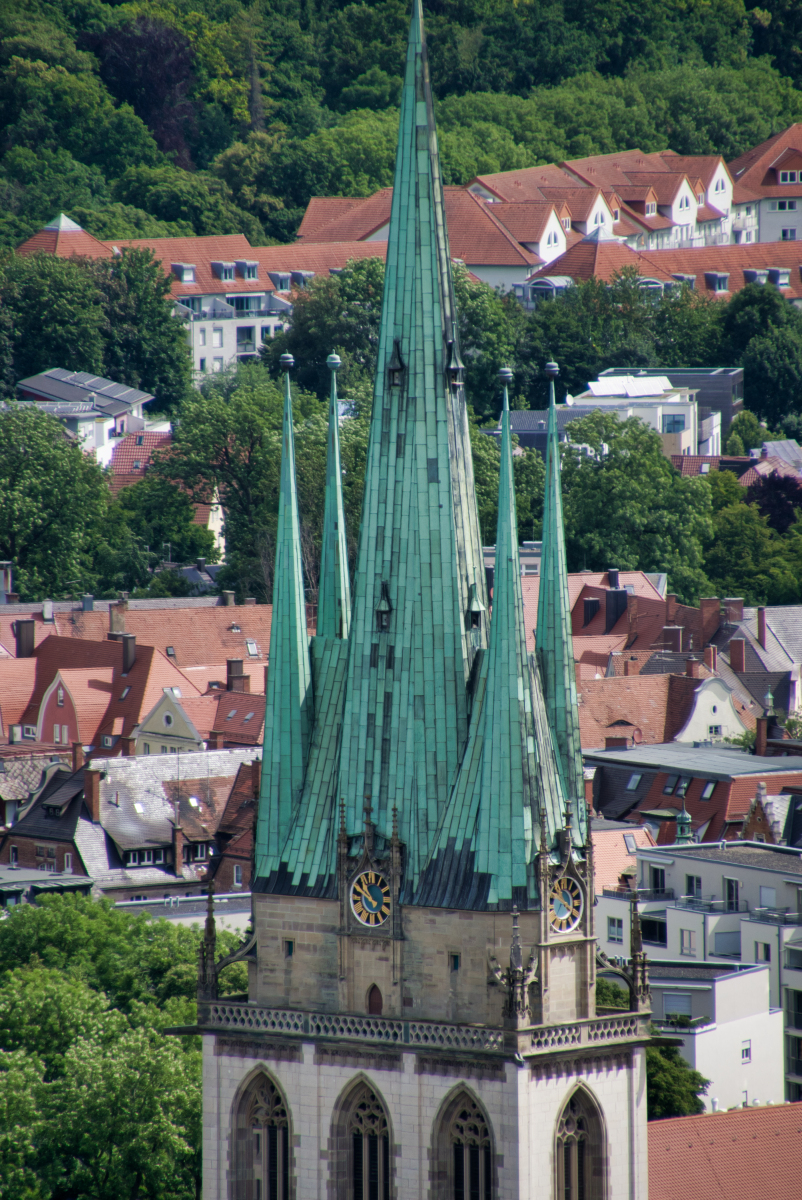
(471, 1153)
(369, 1138)
(580, 1151)
(262, 1144)
(375, 1002)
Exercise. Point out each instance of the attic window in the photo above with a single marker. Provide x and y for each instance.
(138, 808)
(251, 644)
(248, 717)
(137, 464)
(125, 692)
(233, 713)
(383, 610)
(171, 651)
(708, 789)
(634, 781)
(234, 628)
(704, 469)
(194, 801)
(108, 741)
(651, 208)
(786, 177)
(630, 843)
(140, 439)
(671, 783)
(682, 787)
(60, 697)
(566, 223)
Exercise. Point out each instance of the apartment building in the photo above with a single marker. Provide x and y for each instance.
(768, 186)
(729, 903)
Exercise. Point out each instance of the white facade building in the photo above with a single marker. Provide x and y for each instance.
(670, 411)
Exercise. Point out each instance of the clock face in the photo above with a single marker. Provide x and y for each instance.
(565, 904)
(370, 898)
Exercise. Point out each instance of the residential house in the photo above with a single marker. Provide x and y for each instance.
(141, 827)
(722, 1017)
(760, 649)
(500, 254)
(23, 775)
(231, 868)
(23, 885)
(703, 464)
(615, 844)
(671, 411)
(768, 182)
(718, 389)
(747, 1152)
(130, 460)
(729, 902)
(95, 410)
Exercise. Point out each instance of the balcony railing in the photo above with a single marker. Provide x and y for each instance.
(219, 1016)
(795, 1067)
(776, 916)
(638, 893)
(712, 905)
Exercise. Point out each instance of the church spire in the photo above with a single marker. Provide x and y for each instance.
(554, 643)
(413, 642)
(288, 701)
(334, 596)
(486, 846)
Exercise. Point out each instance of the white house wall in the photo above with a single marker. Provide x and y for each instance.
(713, 709)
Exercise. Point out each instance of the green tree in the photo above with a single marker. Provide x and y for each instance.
(773, 372)
(20, 1124)
(53, 498)
(609, 994)
(144, 345)
(626, 506)
(200, 200)
(57, 314)
(157, 512)
(673, 1089)
(745, 557)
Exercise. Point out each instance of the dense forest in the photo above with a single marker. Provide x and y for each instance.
(218, 116)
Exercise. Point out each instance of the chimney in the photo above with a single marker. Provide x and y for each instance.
(590, 775)
(200, 563)
(117, 616)
(250, 599)
(710, 610)
(733, 609)
(761, 736)
(24, 634)
(738, 655)
(228, 598)
(671, 607)
(631, 666)
(129, 651)
(693, 668)
(178, 851)
(92, 793)
(88, 602)
(256, 769)
(612, 577)
(127, 746)
(77, 756)
(761, 626)
(215, 740)
(672, 638)
(47, 612)
(711, 658)
(236, 679)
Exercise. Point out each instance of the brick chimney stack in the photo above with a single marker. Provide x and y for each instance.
(738, 655)
(761, 626)
(178, 843)
(711, 658)
(77, 756)
(693, 668)
(761, 737)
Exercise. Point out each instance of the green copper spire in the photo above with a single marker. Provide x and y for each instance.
(406, 712)
(288, 709)
(487, 842)
(684, 828)
(554, 642)
(334, 596)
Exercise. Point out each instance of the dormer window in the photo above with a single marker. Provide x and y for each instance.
(383, 610)
(566, 223)
(598, 218)
(684, 203)
(617, 214)
(789, 176)
(395, 367)
(184, 272)
(700, 197)
(720, 185)
(223, 270)
(780, 276)
(717, 281)
(651, 208)
(551, 239)
(248, 268)
(475, 610)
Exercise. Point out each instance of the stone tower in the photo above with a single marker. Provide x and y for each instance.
(421, 1018)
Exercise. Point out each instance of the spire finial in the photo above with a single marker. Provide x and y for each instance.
(334, 592)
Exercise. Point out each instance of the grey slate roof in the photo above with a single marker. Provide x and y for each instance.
(712, 762)
(65, 791)
(745, 854)
(82, 387)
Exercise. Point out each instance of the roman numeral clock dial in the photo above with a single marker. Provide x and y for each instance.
(565, 904)
(370, 898)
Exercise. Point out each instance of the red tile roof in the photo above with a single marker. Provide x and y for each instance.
(526, 183)
(474, 233)
(697, 166)
(647, 709)
(691, 464)
(721, 815)
(127, 453)
(752, 169)
(764, 468)
(664, 184)
(750, 1153)
(240, 717)
(580, 200)
(320, 257)
(322, 210)
(64, 243)
(527, 220)
(201, 252)
(17, 680)
(603, 259)
(611, 858)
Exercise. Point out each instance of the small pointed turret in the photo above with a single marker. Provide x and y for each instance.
(288, 702)
(554, 642)
(334, 596)
(684, 828)
(485, 849)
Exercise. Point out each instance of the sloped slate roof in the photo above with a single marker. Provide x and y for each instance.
(81, 386)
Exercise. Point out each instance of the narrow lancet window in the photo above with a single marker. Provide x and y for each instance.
(370, 1148)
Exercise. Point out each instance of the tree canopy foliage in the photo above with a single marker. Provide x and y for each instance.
(227, 118)
(95, 1101)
